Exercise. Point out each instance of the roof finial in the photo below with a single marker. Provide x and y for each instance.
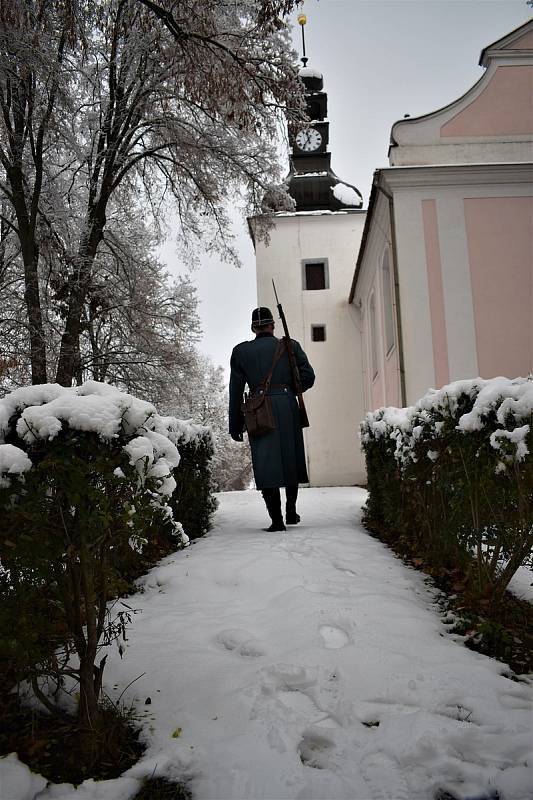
(302, 19)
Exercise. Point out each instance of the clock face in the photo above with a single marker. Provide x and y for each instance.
(308, 140)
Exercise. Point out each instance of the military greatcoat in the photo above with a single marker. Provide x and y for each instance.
(278, 457)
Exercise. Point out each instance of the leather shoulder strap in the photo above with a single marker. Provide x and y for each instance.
(277, 355)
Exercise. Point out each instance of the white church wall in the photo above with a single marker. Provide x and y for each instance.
(335, 404)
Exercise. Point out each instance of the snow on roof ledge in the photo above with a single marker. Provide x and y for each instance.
(347, 195)
(309, 72)
(316, 213)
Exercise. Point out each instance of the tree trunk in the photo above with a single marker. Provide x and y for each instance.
(89, 714)
(88, 711)
(32, 298)
(69, 354)
(35, 322)
(79, 284)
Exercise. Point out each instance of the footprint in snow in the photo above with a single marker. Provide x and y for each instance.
(302, 706)
(302, 695)
(241, 642)
(333, 637)
(315, 750)
(298, 702)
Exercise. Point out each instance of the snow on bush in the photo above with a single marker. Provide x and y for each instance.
(13, 461)
(41, 412)
(501, 406)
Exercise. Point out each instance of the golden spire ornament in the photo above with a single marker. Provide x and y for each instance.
(302, 20)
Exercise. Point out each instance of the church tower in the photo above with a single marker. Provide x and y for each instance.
(311, 254)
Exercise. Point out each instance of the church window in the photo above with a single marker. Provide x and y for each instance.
(373, 338)
(318, 333)
(387, 301)
(315, 274)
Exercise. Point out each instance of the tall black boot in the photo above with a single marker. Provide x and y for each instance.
(272, 500)
(291, 517)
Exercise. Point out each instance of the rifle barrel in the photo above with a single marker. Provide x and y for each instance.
(304, 419)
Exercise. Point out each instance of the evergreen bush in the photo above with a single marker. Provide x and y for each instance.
(86, 479)
(453, 474)
(193, 502)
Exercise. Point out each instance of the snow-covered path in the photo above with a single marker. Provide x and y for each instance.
(312, 665)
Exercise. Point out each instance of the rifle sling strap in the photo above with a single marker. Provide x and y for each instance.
(264, 383)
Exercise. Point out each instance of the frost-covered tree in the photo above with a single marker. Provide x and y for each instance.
(139, 327)
(204, 397)
(111, 103)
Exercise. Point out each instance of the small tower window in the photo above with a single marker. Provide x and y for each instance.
(315, 274)
(318, 333)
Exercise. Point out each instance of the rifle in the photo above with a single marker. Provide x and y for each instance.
(304, 419)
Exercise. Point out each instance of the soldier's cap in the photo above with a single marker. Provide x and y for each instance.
(262, 316)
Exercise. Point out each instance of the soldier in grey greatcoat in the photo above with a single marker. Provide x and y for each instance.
(278, 457)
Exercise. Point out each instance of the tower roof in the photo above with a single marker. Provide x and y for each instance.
(312, 78)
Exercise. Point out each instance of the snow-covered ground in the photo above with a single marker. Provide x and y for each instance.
(521, 584)
(311, 665)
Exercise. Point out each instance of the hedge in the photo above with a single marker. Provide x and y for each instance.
(453, 474)
(94, 485)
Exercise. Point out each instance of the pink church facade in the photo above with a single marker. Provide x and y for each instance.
(444, 279)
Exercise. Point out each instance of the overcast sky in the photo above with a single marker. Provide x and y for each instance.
(381, 59)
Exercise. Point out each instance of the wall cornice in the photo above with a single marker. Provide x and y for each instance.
(457, 175)
(492, 54)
